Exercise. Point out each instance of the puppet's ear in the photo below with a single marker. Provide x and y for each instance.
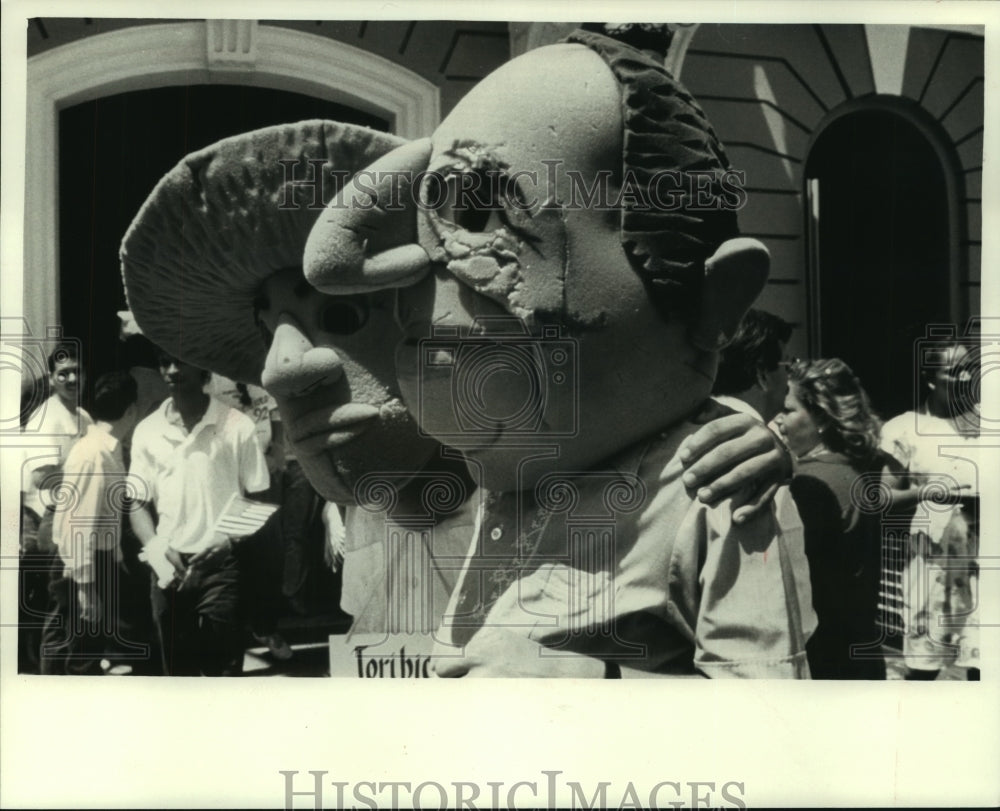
(734, 276)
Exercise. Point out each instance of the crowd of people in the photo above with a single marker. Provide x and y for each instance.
(120, 487)
(559, 443)
(133, 486)
(852, 472)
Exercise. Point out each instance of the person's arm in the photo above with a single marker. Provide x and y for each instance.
(907, 490)
(141, 520)
(735, 456)
(754, 606)
(74, 528)
(142, 484)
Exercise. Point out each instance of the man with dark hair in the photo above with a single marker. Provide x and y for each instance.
(751, 368)
(189, 458)
(87, 535)
(57, 423)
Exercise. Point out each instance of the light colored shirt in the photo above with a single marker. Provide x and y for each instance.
(190, 476)
(924, 444)
(57, 428)
(929, 446)
(624, 564)
(398, 578)
(94, 473)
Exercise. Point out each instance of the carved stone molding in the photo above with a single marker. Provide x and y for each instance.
(216, 51)
(231, 44)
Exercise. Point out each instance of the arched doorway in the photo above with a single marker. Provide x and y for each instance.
(880, 227)
(178, 53)
(113, 150)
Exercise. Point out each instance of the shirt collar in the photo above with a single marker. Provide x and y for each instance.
(212, 415)
(738, 405)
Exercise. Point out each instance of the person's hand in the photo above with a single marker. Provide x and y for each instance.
(175, 559)
(219, 547)
(90, 602)
(738, 456)
(498, 652)
(335, 537)
(333, 554)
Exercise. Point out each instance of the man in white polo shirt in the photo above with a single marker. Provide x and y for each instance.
(191, 456)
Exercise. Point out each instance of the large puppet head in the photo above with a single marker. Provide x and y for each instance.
(569, 267)
(212, 269)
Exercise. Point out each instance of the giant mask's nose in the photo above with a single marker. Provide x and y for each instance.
(366, 238)
(294, 367)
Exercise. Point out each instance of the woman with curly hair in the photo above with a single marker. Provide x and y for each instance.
(828, 424)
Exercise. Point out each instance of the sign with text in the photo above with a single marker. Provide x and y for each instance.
(382, 656)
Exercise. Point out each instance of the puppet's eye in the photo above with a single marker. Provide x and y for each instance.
(344, 316)
(471, 199)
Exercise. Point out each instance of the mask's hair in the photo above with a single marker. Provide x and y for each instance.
(666, 130)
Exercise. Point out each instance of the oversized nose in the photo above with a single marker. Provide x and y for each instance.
(366, 239)
(293, 365)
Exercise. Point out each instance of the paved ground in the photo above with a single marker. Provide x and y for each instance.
(311, 659)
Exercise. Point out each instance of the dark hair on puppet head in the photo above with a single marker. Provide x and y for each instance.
(652, 38)
(665, 131)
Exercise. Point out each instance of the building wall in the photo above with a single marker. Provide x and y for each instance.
(768, 90)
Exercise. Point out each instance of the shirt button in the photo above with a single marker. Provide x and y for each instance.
(496, 533)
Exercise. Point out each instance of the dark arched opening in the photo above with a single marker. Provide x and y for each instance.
(113, 151)
(880, 240)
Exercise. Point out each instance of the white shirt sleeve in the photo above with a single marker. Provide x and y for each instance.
(142, 470)
(75, 525)
(896, 438)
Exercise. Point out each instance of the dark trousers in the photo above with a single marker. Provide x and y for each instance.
(121, 632)
(309, 585)
(35, 564)
(262, 558)
(299, 513)
(199, 622)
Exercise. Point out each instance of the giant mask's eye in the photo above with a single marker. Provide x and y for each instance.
(478, 200)
(344, 316)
